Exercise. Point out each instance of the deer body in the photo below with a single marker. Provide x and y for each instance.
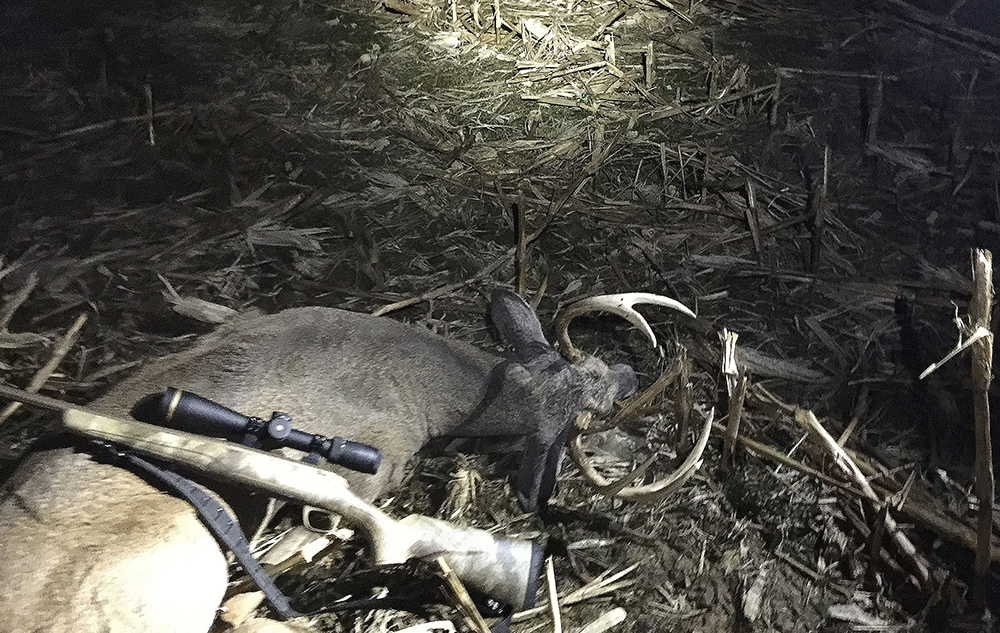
(86, 546)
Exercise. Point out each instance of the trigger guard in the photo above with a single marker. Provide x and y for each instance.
(331, 520)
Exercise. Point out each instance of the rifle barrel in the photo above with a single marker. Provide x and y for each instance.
(35, 399)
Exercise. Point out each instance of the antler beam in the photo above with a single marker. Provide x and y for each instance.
(620, 304)
(648, 493)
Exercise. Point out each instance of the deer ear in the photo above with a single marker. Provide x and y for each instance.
(535, 475)
(519, 326)
(628, 382)
(539, 468)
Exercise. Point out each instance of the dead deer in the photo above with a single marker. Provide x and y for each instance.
(85, 546)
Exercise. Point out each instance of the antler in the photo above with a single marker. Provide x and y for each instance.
(649, 493)
(620, 304)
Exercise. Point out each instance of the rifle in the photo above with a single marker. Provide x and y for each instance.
(504, 569)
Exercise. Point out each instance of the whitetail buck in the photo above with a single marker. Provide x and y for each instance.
(88, 547)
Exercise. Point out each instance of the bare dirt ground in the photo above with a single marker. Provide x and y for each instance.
(808, 175)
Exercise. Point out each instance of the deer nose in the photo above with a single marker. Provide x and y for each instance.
(628, 382)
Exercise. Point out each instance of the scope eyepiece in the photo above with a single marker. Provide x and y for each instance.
(354, 455)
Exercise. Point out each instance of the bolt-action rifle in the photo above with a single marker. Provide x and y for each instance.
(504, 569)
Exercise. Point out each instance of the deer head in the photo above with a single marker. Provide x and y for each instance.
(621, 304)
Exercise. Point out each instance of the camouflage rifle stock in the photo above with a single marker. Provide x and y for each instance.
(504, 569)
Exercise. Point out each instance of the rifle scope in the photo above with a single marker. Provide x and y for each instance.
(186, 411)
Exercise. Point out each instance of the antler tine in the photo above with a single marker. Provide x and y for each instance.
(649, 493)
(620, 304)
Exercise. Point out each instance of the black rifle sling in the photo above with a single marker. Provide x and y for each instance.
(220, 524)
(503, 624)
(228, 533)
